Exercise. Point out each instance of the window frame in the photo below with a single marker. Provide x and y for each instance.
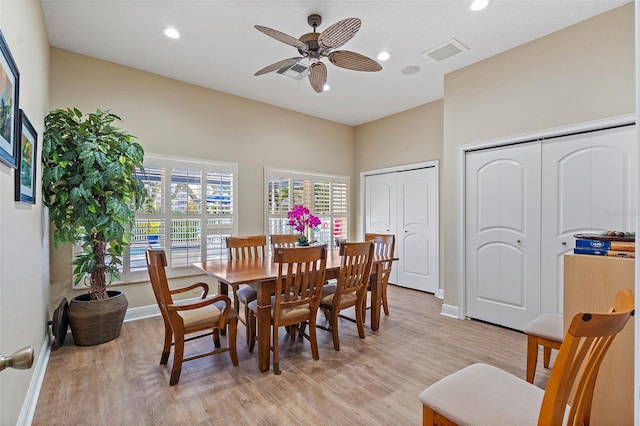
(313, 179)
(168, 164)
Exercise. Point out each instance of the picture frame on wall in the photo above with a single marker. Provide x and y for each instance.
(9, 112)
(25, 174)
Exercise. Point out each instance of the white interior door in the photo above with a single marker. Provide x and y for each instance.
(380, 203)
(503, 234)
(380, 209)
(405, 203)
(589, 185)
(417, 229)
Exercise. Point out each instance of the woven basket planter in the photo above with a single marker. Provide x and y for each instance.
(94, 322)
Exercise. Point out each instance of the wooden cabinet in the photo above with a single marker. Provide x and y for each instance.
(590, 284)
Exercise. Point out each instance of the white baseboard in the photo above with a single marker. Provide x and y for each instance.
(141, 312)
(450, 311)
(440, 293)
(31, 399)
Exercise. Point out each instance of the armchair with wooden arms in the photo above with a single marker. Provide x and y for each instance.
(483, 394)
(181, 318)
(250, 247)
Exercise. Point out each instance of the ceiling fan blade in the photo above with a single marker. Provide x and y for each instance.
(318, 76)
(284, 38)
(339, 33)
(279, 65)
(353, 61)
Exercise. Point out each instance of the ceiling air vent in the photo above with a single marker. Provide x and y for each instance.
(445, 50)
(296, 71)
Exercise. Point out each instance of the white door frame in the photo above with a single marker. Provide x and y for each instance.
(622, 120)
(403, 168)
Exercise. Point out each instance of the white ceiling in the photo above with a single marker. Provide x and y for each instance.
(220, 48)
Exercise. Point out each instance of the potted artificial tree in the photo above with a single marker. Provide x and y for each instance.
(90, 186)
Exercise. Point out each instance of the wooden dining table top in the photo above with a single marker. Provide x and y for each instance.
(245, 271)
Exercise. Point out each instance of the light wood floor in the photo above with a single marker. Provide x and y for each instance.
(368, 382)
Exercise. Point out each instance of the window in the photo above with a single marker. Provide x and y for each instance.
(327, 196)
(189, 212)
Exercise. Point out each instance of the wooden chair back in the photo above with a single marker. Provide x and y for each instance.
(156, 264)
(301, 272)
(385, 245)
(573, 377)
(355, 268)
(283, 240)
(246, 247)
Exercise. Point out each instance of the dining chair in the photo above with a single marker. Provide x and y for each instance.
(384, 246)
(184, 318)
(245, 248)
(545, 330)
(298, 288)
(350, 289)
(283, 240)
(483, 394)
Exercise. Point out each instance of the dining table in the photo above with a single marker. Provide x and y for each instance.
(261, 273)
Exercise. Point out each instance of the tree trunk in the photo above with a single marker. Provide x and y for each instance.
(98, 277)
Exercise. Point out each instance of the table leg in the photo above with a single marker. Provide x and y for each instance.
(376, 297)
(223, 288)
(263, 318)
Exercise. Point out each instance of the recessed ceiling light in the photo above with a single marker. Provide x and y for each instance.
(171, 33)
(411, 69)
(326, 87)
(479, 4)
(383, 56)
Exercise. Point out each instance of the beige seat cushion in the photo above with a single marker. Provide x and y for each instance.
(201, 317)
(549, 326)
(481, 394)
(206, 316)
(301, 311)
(346, 299)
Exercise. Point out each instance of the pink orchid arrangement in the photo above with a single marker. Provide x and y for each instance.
(301, 218)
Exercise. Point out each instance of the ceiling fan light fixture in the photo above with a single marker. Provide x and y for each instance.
(383, 56)
(479, 4)
(315, 46)
(172, 33)
(326, 87)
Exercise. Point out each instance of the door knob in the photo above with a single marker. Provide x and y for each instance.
(21, 359)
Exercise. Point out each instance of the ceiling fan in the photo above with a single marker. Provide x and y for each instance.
(316, 46)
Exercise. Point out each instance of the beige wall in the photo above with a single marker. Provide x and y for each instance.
(412, 136)
(178, 119)
(581, 73)
(24, 271)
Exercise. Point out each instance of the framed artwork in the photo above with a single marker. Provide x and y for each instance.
(9, 113)
(26, 171)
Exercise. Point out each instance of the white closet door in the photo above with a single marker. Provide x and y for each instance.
(503, 234)
(380, 203)
(380, 209)
(405, 203)
(589, 185)
(417, 229)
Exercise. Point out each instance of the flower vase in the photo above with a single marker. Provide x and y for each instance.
(303, 241)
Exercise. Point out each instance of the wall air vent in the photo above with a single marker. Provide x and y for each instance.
(296, 71)
(445, 50)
